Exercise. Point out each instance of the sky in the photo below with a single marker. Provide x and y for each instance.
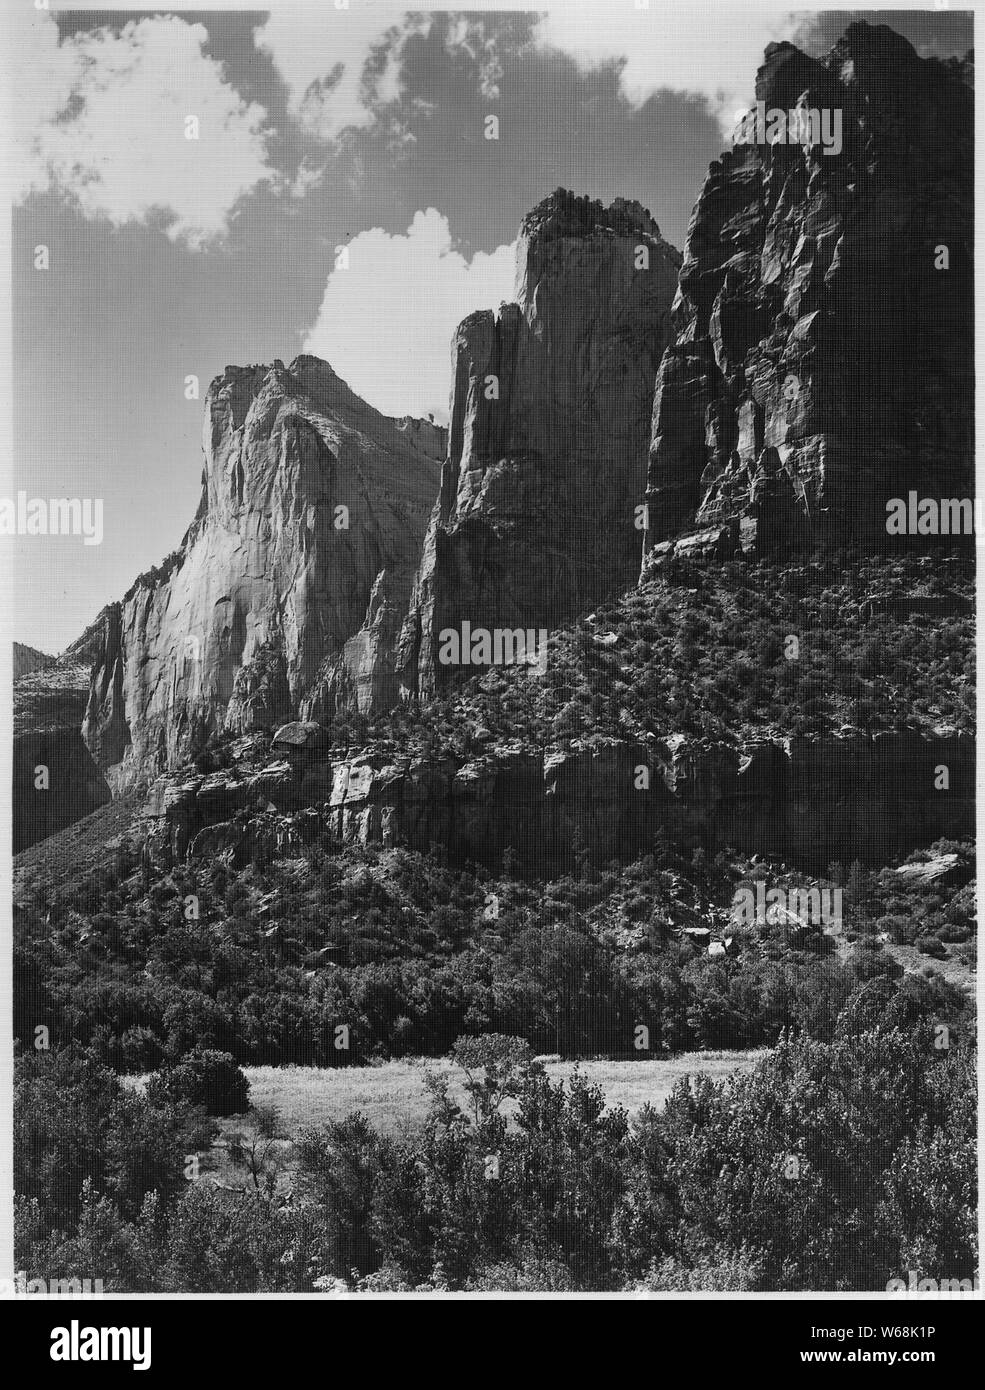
(196, 174)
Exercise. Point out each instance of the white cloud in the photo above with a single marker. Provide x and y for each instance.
(712, 53)
(386, 323)
(340, 66)
(473, 37)
(343, 66)
(306, 178)
(101, 117)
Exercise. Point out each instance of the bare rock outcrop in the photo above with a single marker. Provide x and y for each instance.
(550, 410)
(823, 360)
(313, 505)
(806, 801)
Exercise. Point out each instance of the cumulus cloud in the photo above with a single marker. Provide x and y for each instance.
(714, 55)
(386, 322)
(102, 118)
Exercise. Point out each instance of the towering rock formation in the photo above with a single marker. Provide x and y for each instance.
(313, 511)
(550, 410)
(823, 360)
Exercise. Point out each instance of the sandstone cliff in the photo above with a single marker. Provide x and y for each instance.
(313, 511)
(550, 408)
(808, 801)
(823, 358)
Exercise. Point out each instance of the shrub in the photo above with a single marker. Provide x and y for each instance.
(212, 1080)
(719, 1270)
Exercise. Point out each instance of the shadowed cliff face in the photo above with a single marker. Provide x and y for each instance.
(313, 508)
(54, 783)
(54, 779)
(823, 361)
(807, 801)
(550, 410)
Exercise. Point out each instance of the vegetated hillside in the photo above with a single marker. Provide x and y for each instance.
(269, 960)
(707, 650)
(71, 855)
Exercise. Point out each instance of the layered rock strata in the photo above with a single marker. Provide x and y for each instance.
(807, 801)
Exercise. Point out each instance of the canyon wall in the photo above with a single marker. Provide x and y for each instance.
(55, 781)
(809, 359)
(311, 520)
(807, 801)
(550, 408)
(822, 361)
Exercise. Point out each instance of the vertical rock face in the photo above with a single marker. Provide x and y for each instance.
(550, 411)
(807, 801)
(313, 510)
(823, 360)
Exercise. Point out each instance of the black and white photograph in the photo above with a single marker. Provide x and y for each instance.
(489, 534)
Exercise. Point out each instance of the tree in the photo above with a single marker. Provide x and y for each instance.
(263, 1150)
(206, 1078)
(495, 1067)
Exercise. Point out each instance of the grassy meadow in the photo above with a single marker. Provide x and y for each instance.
(393, 1098)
